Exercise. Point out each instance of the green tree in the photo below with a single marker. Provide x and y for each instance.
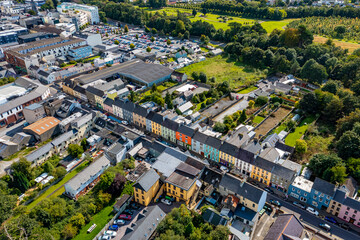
(243, 116)
(48, 167)
(116, 42)
(148, 49)
(314, 72)
(220, 127)
(262, 100)
(168, 42)
(251, 104)
(126, 29)
(69, 231)
(59, 172)
(220, 233)
(320, 162)
(336, 174)
(195, 76)
(202, 77)
(32, 12)
(75, 150)
(152, 39)
(106, 180)
(332, 86)
(204, 39)
(137, 36)
(7, 204)
(77, 220)
(180, 26)
(84, 144)
(189, 229)
(194, 12)
(153, 31)
(349, 145)
(300, 146)
(132, 46)
(22, 166)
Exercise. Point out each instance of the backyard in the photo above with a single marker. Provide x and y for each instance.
(225, 69)
(299, 131)
(271, 122)
(247, 90)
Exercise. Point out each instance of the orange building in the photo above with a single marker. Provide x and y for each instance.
(184, 136)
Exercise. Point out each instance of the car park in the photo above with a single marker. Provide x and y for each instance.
(166, 201)
(312, 211)
(325, 226)
(299, 205)
(124, 217)
(127, 211)
(119, 222)
(114, 227)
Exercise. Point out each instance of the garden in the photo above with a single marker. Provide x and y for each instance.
(299, 131)
(272, 121)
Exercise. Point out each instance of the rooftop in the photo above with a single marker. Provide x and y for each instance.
(181, 179)
(324, 187)
(302, 183)
(286, 226)
(147, 180)
(43, 125)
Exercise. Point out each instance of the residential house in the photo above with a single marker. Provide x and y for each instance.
(198, 143)
(139, 116)
(146, 187)
(211, 147)
(80, 93)
(44, 128)
(156, 123)
(86, 179)
(108, 105)
(145, 225)
(128, 109)
(168, 130)
(228, 154)
(122, 203)
(350, 211)
(34, 112)
(68, 87)
(214, 217)
(95, 96)
(261, 170)
(281, 178)
(321, 193)
(244, 161)
(286, 226)
(149, 121)
(118, 108)
(300, 189)
(181, 184)
(184, 136)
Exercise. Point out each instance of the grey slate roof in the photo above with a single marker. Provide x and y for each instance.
(186, 130)
(128, 106)
(168, 160)
(339, 196)
(83, 176)
(140, 110)
(352, 203)
(284, 147)
(109, 102)
(213, 142)
(147, 180)
(245, 156)
(200, 137)
(287, 225)
(283, 172)
(79, 89)
(95, 91)
(324, 187)
(170, 124)
(264, 164)
(212, 216)
(229, 149)
(146, 223)
(157, 118)
(245, 189)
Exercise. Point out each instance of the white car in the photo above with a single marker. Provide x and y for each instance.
(119, 222)
(110, 233)
(166, 201)
(312, 211)
(104, 237)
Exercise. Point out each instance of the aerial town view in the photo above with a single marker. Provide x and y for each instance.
(180, 119)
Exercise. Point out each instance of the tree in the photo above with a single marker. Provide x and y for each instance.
(7, 204)
(195, 75)
(186, 35)
(168, 42)
(189, 229)
(106, 180)
(320, 162)
(220, 233)
(32, 12)
(309, 103)
(194, 12)
(116, 42)
(349, 145)
(251, 104)
(243, 116)
(69, 231)
(22, 166)
(152, 39)
(204, 39)
(261, 100)
(340, 29)
(335, 174)
(202, 77)
(204, 11)
(59, 172)
(117, 185)
(77, 220)
(48, 167)
(75, 150)
(300, 146)
(180, 26)
(148, 49)
(220, 127)
(132, 46)
(126, 29)
(332, 86)
(153, 31)
(84, 144)
(314, 72)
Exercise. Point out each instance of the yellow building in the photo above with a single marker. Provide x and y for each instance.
(261, 170)
(156, 123)
(139, 116)
(146, 187)
(181, 184)
(68, 87)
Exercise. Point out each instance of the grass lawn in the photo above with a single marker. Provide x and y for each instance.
(345, 45)
(56, 186)
(299, 131)
(280, 128)
(224, 69)
(258, 119)
(247, 90)
(100, 219)
(270, 26)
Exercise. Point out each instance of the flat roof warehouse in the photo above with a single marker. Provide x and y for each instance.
(135, 70)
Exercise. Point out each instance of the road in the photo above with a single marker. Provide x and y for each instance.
(313, 220)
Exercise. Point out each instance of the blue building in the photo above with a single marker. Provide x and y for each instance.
(80, 52)
(301, 189)
(211, 148)
(322, 192)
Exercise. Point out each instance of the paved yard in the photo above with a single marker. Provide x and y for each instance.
(236, 107)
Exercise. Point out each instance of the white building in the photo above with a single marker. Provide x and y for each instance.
(91, 11)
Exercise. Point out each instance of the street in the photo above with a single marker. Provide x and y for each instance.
(310, 219)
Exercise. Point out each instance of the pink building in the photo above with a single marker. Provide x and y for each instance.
(108, 105)
(350, 211)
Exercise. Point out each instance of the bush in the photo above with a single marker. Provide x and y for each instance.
(262, 100)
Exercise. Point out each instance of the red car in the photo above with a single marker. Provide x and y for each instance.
(124, 217)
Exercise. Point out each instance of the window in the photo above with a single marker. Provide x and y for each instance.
(181, 195)
(344, 218)
(337, 209)
(348, 208)
(142, 197)
(253, 204)
(346, 213)
(181, 190)
(305, 194)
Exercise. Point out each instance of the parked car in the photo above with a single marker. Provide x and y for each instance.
(345, 226)
(10, 125)
(325, 226)
(119, 222)
(114, 227)
(166, 201)
(330, 219)
(20, 120)
(26, 124)
(124, 217)
(127, 211)
(104, 237)
(269, 190)
(312, 211)
(268, 208)
(299, 205)
(275, 202)
(135, 206)
(110, 233)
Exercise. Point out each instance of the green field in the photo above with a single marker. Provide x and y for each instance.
(258, 119)
(51, 189)
(224, 69)
(247, 90)
(299, 131)
(218, 23)
(100, 219)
